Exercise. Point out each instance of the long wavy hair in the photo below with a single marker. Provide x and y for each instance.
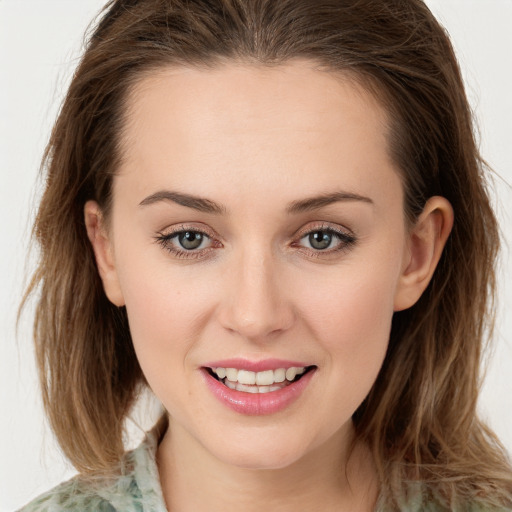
(420, 418)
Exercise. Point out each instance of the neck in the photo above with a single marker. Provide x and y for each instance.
(338, 475)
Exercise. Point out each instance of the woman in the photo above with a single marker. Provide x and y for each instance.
(273, 214)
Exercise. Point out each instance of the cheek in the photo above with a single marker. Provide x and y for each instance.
(169, 308)
(165, 311)
(350, 314)
(353, 329)
(354, 307)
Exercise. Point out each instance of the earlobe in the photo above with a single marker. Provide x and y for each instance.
(427, 240)
(103, 252)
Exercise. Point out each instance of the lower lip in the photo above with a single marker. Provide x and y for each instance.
(257, 403)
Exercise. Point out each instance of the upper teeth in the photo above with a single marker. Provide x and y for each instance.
(265, 378)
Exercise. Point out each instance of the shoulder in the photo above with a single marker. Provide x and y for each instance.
(134, 488)
(72, 495)
(99, 494)
(423, 497)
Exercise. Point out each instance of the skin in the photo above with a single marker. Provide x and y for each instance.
(255, 141)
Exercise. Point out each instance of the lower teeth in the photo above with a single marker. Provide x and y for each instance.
(255, 389)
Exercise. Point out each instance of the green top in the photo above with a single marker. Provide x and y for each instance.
(137, 489)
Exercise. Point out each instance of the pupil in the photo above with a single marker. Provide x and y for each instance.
(190, 240)
(320, 240)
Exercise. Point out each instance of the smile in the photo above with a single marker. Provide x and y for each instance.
(266, 381)
(257, 388)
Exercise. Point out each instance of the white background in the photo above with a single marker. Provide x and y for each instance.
(40, 41)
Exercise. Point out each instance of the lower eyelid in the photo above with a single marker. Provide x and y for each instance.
(345, 241)
(167, 240)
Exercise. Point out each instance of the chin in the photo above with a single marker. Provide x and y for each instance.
(261, 453)
(267, 460)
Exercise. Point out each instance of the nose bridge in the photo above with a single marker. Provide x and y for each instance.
(255, 306)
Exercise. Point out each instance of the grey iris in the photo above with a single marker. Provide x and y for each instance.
(190, 240)
(320, 240)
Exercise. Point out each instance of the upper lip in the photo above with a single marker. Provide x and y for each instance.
(255, 366)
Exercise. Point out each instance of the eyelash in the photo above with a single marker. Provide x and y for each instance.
(346, 241)
(165, 240)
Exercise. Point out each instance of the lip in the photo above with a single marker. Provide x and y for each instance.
(255, 366)
(257, 404)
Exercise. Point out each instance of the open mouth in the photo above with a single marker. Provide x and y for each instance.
(266, 381)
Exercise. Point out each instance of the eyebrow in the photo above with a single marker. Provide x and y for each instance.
(197, 203)
(317, 202)
(208, 206)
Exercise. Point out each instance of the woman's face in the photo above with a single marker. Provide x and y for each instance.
(257, 225)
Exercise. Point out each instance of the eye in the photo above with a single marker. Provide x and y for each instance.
(190, 240)
(326, 240)
(320, 240)
(186, 243)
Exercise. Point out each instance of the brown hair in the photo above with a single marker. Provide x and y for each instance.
(420, 417)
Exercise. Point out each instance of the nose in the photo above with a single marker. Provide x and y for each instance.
(255, 305)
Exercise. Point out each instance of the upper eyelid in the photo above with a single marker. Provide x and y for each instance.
(172, 231)
(324, 226)
(310, 227)
(321, 226)
(343, 237)
(166, 241)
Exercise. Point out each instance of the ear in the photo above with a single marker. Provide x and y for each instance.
(424, 248)
(103, 252)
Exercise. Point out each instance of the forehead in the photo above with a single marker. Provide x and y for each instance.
(243, 94)
(239, 123)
